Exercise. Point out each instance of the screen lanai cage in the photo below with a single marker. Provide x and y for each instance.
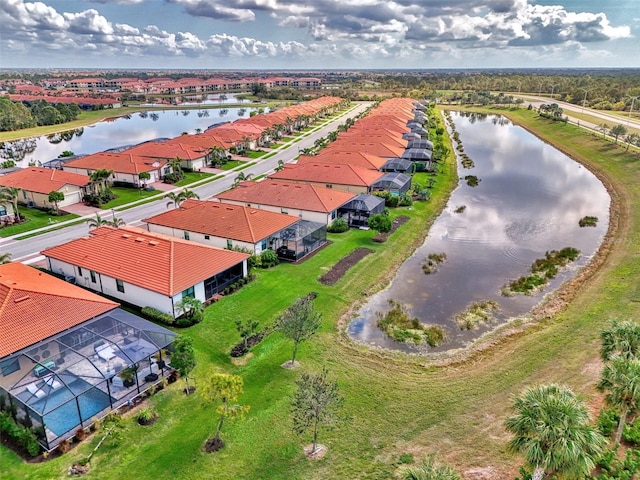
(67, 381)
(300, 239)
(357, 211)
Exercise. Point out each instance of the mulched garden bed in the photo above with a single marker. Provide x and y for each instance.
(340, 268)
(397, 223)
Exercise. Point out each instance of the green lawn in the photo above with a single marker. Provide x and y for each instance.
(231, 164)
(256, 154)
(34, 219)
(127, 195)
(193, 177)
(394, 404)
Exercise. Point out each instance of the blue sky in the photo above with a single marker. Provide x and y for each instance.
(319, 34)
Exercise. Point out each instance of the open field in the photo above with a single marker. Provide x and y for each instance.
(393, 404)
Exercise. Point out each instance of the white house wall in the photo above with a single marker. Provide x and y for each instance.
(319, 217)
(72, 195)
(212, 241)
(106, 285)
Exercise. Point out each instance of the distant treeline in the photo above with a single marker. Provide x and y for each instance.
(610, 91)
(17, 115)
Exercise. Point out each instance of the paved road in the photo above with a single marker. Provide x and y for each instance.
(607, 118)
(28, 250)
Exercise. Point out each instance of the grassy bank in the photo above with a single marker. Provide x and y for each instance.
(393, 404)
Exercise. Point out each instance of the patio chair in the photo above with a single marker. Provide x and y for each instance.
(105, 352)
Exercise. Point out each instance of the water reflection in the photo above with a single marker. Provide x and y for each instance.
(529, 200)
(111, 133)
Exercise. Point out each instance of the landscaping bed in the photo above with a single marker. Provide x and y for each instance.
(340, 268)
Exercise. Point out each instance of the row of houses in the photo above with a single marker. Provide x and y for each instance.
(65, 350)
(72, 177)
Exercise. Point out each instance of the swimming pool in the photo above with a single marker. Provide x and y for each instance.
(61, 410)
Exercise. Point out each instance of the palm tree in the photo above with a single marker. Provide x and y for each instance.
(176, 198)
(242, 177)
(621, 380)
(551, 430)
(617, 131)
(98, 222)
(98, 179)
(5, 258)
(116, 222)
(10, 194)
(246, 143)
(430, 470)
(280, 166)
(621, 339)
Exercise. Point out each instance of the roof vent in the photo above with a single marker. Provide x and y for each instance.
(125, 235)
(21, 299)
(139, 239)
(153, 242)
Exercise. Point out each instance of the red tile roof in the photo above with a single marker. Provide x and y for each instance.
(300, 196)
(42, 180)
(157, 262)
(118, 162)
(224, 220)
(373, 147)
(167, 150)
(35, 306)
(336, 174)
(354, 158)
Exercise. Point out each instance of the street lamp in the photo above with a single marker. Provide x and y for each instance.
(584, 100)
(553, 88)
(633, 99)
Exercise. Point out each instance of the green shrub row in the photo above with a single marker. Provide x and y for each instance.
(21, 435)
(158, 316)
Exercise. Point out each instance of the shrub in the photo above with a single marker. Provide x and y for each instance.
(268, 259)
(24, 437)
(405, 201)
(158, 316)
(380, 223)
(631, 432)
(339, 225)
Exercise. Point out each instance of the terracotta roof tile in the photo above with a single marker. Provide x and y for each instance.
(35, 306)
(167, 150)
(118, 162)
(157, 262)
(224, 220)
(354, 158)
(288, 195)
(337, 174)
(42, 180)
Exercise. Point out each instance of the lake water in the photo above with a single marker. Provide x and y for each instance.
(117, 132)
(528, 201)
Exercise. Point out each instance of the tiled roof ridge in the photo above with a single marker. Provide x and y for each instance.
(171, 265)
(247, 218)
(319, 197)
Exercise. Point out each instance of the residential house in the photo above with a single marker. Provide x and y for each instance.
(125, 166)
(147, 269)
(308, 202)
(37, 183)
(338, 176)
(191, 157)
(63, 351)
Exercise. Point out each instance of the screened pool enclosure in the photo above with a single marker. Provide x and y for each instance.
(300, 239)
(66, 381)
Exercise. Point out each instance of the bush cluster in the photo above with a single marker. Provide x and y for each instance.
(158, 316)
(21, 435)
(237, 285)
(339, 225)
(96, 200)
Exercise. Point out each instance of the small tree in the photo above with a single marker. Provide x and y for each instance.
(98, 222)
(56, 196)
(315, 402)
(246, 329)
(191, 308)
(620, 339)
(430, 470)
(617, 131)
(621, 382)
(299, 322)
(183, 358)
(380, 223)
(223, 390)
(144, 176)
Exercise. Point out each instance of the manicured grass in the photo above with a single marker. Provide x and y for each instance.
(256, 154)
(192, 177)
(393, 403)
(34, 219)
(127, 195)
(231, 164)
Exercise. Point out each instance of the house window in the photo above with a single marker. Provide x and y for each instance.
(3, 210)
(79, 272)
(186, 235)
(229, 244)
(120, 285)
(284, 210)
(189, 292)
(207, 237)
(328, 185)
(93, 276)
(263, 245)
(333, 215)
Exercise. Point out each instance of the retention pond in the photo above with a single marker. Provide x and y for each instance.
(529, 199)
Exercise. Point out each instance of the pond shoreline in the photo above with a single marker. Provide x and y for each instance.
(548, 307)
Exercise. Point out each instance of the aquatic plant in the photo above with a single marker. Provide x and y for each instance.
(477, 314)
(588, 221)
(400, 326)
